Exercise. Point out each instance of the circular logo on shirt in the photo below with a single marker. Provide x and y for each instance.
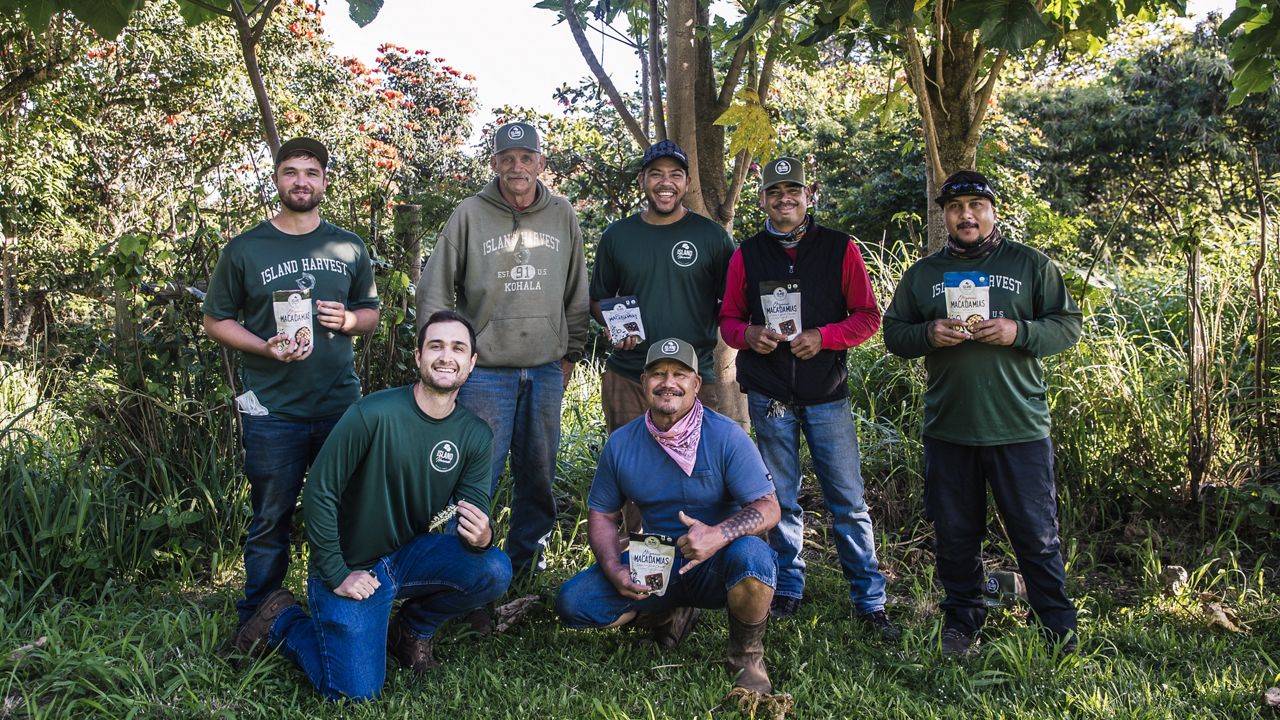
(782, 168)
(444, 456)
(670, 347)
(306, 281)
(684, 253)
(515, 132)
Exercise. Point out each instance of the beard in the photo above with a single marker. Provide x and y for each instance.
(447, 385)
(301, 205)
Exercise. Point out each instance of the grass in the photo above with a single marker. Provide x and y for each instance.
(157, 651)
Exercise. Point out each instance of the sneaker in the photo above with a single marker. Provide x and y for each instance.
(879, 621)
(956, 644)
(251, 638)
(784, 606)
(408, 649)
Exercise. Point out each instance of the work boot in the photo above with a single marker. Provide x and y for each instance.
(408, 649)
(251, 638)
(784, 606)
(957, 644)
(745, 655)
(879, 622)
(669, 628)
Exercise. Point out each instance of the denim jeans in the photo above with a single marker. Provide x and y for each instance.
(277, 454)
(522, 407)
(955, 500)
(833, 446)
(589, 600)
(342, 645)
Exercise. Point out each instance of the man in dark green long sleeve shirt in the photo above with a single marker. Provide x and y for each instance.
(982, 311)
(394, 470)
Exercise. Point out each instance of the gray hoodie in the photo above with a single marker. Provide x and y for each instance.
(518, 275)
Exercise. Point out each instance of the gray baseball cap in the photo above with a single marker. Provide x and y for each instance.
(516, 135)
(672, 349)
(782, 170)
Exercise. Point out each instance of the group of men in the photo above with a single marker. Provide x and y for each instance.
(399, 484)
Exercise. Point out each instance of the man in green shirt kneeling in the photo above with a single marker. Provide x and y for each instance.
(396, 468)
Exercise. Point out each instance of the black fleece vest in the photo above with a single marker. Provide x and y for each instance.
(819, 266)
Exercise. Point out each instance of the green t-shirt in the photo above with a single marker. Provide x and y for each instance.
(677, 272)
(976, 393)
(386, 470)
(334, 264)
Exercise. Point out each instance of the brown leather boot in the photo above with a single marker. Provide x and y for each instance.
(745, 655)
(670, 627)
(408, 649)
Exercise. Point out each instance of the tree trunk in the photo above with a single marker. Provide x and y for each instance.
(249, 48)
(682, 112)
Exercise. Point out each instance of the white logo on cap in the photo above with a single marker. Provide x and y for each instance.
(515, 132)
(670, 347)
(782, 168)
(444, 456)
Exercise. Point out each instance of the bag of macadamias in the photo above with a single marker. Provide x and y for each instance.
(651, 558)
(293, 314)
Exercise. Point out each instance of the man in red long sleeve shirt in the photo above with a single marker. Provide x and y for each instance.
(796, 298)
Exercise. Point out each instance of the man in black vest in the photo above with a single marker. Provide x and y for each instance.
(796, 298)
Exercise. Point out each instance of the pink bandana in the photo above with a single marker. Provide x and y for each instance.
(681, 441)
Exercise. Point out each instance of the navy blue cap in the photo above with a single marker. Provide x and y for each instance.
(965, 182)
(662, 149)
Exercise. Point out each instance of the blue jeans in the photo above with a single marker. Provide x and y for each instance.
(833, 446)
(342, 646)
(522, 407)
(955, 499)
(589, 600)
(277, 454)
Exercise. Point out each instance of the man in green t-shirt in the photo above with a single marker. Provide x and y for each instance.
(982, 311)
(673, 261)
(398, 465)
(289, 294)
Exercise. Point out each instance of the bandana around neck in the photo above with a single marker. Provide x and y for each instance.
(681, 441)
(983, 246)
(789, 239)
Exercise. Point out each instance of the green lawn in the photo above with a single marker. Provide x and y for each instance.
(157, 652)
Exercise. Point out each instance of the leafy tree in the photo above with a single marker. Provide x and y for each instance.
(953, 54)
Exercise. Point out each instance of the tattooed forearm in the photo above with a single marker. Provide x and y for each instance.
(747, 521)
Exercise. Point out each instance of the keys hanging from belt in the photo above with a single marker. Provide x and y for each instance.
(776, 409)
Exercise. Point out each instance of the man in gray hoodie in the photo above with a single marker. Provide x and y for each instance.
(510, 259)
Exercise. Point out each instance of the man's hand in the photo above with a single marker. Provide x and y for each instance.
(282, 348)
(997, 331)
(626, 587)
(473, 525)
(761, 339)
(359, 585)
(945, 332)
(699, 543)
(333, 316)
(807, 344)
(566, 369)
(626, 342)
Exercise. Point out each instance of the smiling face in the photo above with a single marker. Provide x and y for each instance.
(786, 204)
(518, 170)
(446, 357)
(969, 218)
(301, 181)
(670, 388)
(664, 183)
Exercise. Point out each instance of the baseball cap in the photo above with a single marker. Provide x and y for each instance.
(672, 349)
(782, 170)
(516, 135)
(965, 182)
(661, 149)
(310, 146)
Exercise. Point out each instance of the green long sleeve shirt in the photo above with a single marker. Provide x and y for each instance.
(385, 471)
(976, 393)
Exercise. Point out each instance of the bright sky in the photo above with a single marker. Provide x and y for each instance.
(516, 51)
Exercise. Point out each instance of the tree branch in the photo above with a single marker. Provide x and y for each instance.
(655, 72)
(920, 83)
(209, 7)
(983, 97)
(770, 58)
(270, 7)
(725, 98)
(584, 47)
